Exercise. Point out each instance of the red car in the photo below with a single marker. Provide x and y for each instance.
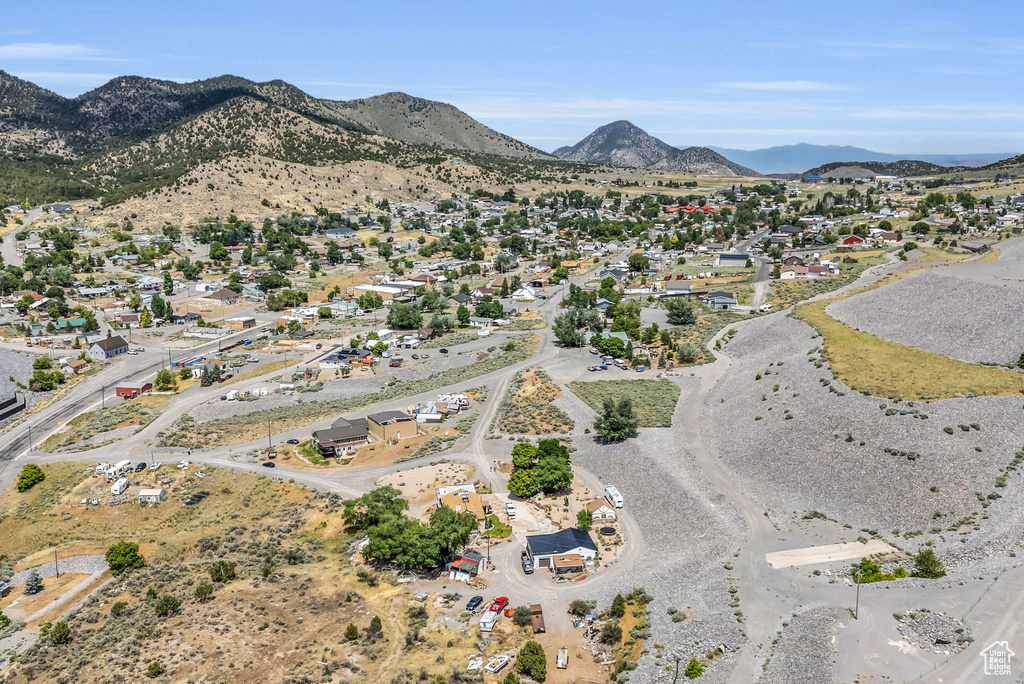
(395, 364)
(499, 603)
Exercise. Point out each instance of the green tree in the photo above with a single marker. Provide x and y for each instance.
(552, 474)
(124, 555)
(351, 632)
(609, 346)
(694, 669)
(167, 605)
(927, 564)
(451, 530)
(168, 283)
(203, 592)
(522, 483)
(687, 353)
(155, 669)
(223, 572)
(369, 301)
(158, 305)
(30, 476)
(324, 312)
(532, 661)
(567, 326)
(218, 252)
(488, 308)
(373, 507)
(404, 317)
(431, 300)
(33, 583)
(617, 421)
(638, 262)
(165, 380)
(376, 629)
(584, 519)
(60, 633)
(611, 633)
(146, 319)
(681, 311)
(135, 301)
(522, 617)
(618, 608)
(462, 313)
(523, 455)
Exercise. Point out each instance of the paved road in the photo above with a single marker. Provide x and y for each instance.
(9, 249)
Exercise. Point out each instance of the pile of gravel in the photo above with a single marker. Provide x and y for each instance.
(935, 632)
(830, 454)
(803, 651)
(941, 312)
(693, 530)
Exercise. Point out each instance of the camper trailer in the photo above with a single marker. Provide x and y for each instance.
(119, 487)
(611, 493)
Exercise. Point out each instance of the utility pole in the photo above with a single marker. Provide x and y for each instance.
(55, 568)
(270, 443)
(856, 607)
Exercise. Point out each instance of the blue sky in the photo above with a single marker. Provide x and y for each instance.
(901, 77)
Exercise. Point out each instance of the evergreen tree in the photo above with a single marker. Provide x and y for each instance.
(33, 583)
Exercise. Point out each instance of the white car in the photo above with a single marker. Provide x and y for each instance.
(510, 510)
(132, 352)
(765, 307)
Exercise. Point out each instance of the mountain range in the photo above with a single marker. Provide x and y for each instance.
(803, 156)
(620, 143)
(129, 108)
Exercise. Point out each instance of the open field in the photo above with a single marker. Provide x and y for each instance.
(295, 586)
(50, 514)
(135, 414)
(527, 408)
(653, 400)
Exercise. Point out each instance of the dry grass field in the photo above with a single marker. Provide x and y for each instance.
(870, 364)
(653, 400)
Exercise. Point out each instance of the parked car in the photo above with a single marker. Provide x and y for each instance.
(443, 350)
(499, 604)
(766, 307)
(319, 346)
(132, 352)
(140, 349)
(527, 563)
(510, 509)
(640, 369)
(140, 467)
(395, 364)
(269, 464)
(293, 441)
(474, 602)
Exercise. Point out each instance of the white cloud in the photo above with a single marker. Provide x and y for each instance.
(48, 51)
(783, 86)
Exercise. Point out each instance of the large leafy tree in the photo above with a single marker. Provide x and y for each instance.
(681, 311)
(567, 326)
(30, 476)
(617, 421)
(122, 556)
(404, 316)
(532, 662)
(371, 508)
(523, 455)
(523, 483)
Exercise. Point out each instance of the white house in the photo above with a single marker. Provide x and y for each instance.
(601, 510)
(572, 541)
(152, 495)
